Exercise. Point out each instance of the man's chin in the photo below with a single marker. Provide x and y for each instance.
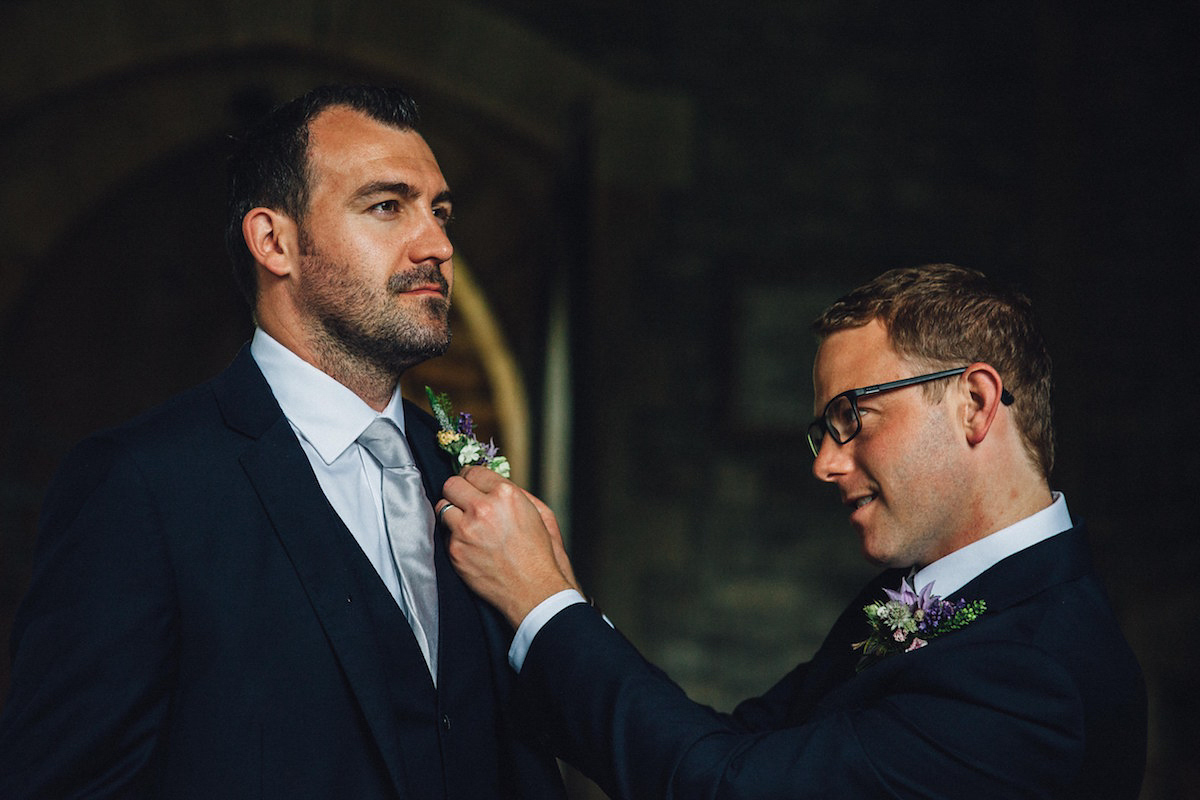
(877, 553)
(878, 561)
(428, 330)
(433, 319)
(394, 351)
(433, 305)
(418, 352)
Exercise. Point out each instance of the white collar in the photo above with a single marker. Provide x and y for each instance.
(326, 413)
(950, 573)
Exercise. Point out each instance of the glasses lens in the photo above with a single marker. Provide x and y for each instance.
(842, 418)
(816, 435)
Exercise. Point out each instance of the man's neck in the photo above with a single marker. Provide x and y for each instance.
(372, 383)
(999, 507)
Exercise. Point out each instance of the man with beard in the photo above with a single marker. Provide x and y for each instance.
(932, 390)
(240, 594)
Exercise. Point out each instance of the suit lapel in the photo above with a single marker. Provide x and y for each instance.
(315, 540)
(436, 466)
(459, 609)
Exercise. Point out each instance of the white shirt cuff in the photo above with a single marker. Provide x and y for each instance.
(534, 621)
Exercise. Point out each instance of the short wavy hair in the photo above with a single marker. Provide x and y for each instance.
(945, 316)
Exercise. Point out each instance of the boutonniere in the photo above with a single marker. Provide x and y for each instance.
(457, 437)
(908, 619)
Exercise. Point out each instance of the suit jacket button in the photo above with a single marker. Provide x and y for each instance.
(446, 722)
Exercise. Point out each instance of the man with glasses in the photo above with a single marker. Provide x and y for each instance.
(985, 662)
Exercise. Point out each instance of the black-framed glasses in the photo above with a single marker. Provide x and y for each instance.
(842, 421)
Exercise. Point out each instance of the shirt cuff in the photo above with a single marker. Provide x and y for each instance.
(534, 621)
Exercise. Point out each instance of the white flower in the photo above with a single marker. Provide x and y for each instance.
(470, 453)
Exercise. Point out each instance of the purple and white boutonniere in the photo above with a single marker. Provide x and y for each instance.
(907, 620)
(457, 437)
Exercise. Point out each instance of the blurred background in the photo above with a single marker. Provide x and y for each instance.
(654, 198)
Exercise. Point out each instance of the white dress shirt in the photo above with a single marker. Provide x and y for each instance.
(948, 574)
(327, 418)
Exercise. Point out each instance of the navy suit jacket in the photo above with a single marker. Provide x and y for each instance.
(201, 624)
(1040, 697)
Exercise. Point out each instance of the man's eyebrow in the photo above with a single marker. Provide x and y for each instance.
(401, 189)
(386, 187)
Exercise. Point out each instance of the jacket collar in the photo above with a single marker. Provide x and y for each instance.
(1057, 560)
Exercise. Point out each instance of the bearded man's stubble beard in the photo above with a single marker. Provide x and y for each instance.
(392, 345)
(361, 327)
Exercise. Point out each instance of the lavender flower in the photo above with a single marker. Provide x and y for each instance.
(466, 425)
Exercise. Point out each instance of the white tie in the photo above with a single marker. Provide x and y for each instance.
(408, 519)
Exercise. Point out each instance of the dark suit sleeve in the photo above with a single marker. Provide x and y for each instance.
(980, 720)
(769, 712)
(94, 641)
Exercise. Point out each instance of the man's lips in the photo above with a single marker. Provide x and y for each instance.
(424, 289)
(856, 502)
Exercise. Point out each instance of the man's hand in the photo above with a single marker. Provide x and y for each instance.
(504, 542)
